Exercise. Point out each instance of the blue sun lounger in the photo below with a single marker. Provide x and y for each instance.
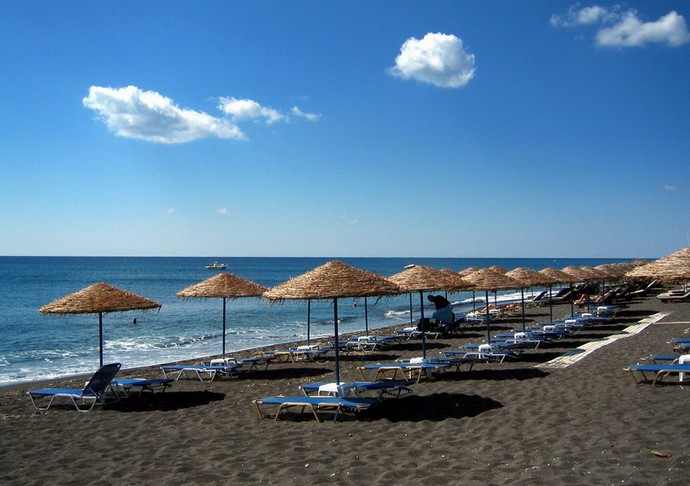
(661, 358)
(125, 385)
(408, 370)
(248, 364)
(315, 405)
(660, 371)
(199, 371)
(93, 392)
(383, 389)
(300, 353)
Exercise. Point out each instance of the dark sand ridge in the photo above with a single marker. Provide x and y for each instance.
(517, 422)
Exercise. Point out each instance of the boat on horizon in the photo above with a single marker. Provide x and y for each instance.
(216, 266)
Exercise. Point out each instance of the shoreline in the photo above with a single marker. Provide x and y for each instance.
(510, 423)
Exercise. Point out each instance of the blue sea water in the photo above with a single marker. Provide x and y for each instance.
(36, 347)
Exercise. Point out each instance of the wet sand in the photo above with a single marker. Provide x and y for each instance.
(516, 422)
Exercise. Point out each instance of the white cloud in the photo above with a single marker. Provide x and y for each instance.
(307, 116)
(349, 219)
(669, 187)
(630, 31)
(147, 115)
(223, 211)
(624, 28)
(585, 16)
(437, 59)
(244, 109)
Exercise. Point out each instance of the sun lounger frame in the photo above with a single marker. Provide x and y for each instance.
(315, 405)
(660, 371)
(125, 385)
(199, 370)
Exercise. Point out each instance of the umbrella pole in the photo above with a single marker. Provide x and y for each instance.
(366, 317)
(488, 320)
(522, 297)
(337, 344)
(410, 308)
(224, 299)
(421, 311)
(308, 322)
(550, 305)
(100, 336)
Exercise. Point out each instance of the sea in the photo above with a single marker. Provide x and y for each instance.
(36, 346)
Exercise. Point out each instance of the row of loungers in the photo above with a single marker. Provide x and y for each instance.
(102, 388)
(227, 367)
(664, 365)
(510, 345)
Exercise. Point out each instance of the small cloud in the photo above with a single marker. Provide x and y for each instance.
(348, 219)
(307, 116)
(670, 187)
(146, 115)
(437, 59)
(223, 211)
(171, 211)
(624, 28)
(585, 16)
(245, 109)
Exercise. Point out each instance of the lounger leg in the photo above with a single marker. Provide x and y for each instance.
(35, 404)
(632, 375)
(258, 409)
(79, 409)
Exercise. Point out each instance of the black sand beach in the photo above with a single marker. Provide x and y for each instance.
(516, 422)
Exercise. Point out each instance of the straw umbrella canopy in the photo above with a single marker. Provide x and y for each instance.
(529, 278)
(99, 298)
(422, 278)
(498, 268)
(601, 274)
(224, 286)
(467, 271)
(673, 267)
(490, 280)
(333, 280)
(595, 272)
(612, 271)
(559, 276)
(578, 274)
(455, 281)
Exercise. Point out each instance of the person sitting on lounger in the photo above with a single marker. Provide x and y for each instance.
(443, 317)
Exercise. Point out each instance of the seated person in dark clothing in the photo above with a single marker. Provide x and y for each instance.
(442, 318)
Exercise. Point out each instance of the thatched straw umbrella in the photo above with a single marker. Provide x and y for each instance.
(421, 278)
(99, 298)
(529, 278)
(333, 280)
(671, 268)
(578, 274)
(611, 271)
(490, 280)
(465, 273)
(559, 277)
(224, 286)
(498, 268)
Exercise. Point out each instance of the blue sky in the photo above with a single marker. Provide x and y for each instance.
(308, 128)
